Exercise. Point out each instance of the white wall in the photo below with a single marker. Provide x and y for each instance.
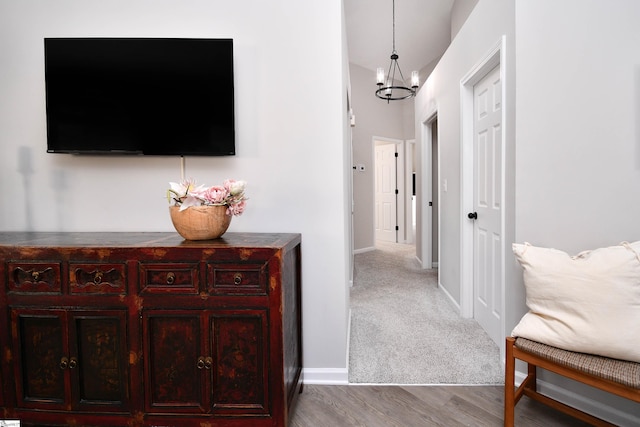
(578, 131)
(572, 140)
(290, 122)
(578, 120)
(488, 22)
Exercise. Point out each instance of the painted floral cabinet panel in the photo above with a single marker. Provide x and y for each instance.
(174, 377)
(70, 359)
(203, 361)
(38, 336)
(100, 379)
(239, 355)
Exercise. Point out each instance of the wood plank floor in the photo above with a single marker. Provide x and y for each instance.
(408, 406)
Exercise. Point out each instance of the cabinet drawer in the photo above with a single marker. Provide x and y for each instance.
(237, 279)
(98, 279)
(169, 278)
(34, 277)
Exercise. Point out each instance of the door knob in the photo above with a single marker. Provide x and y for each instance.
(472, 215)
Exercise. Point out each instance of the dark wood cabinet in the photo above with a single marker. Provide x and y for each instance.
(218, 362)
(143, 329)
(70, 359)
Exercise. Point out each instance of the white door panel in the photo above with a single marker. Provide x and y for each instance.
(385, 193)
(488, 166)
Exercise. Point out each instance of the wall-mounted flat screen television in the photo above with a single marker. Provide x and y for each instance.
(157, 96)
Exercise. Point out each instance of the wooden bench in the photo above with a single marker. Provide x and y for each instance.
(619, 377)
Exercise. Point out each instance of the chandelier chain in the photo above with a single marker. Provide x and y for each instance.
(394, 24)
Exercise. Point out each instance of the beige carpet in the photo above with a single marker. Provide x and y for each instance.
(404, 330)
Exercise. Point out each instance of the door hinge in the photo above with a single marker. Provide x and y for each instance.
(396, 191)
(396, 154)
(397, 228)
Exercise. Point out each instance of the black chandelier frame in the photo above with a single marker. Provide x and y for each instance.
(386, 92)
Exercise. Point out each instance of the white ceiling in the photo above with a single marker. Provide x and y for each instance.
(423, 32)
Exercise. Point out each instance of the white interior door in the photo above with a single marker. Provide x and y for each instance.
(487, 233)
(385, 193)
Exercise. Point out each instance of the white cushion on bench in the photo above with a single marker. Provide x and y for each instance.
(588, 303)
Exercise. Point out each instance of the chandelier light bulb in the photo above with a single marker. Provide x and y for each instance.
(380, 76)
(415, 79)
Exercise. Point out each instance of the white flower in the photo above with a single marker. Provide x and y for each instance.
(189, 201)
(235, 188)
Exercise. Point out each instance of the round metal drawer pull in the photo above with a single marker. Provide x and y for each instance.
(171, 278)
(237, 279)
(97, 279)
(200, 363)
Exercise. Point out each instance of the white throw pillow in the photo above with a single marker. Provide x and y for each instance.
(589, 303)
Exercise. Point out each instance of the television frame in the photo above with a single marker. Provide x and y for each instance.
(144, 96)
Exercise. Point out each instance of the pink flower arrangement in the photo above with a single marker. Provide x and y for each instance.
(186, 194)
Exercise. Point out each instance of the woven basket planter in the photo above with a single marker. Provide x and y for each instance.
(200, 222)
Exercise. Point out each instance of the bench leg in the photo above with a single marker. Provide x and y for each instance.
(509, 385)
(532, 377)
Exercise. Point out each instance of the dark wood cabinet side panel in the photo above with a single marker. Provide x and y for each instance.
(292, 322)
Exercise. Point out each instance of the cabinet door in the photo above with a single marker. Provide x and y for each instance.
(98, 360)
(39, 338)
(70, 359)
(240, 358)
(175, 363)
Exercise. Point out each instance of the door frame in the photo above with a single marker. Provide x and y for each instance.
(400, 184)
(409, 217)
(426, 256)
(495, 57)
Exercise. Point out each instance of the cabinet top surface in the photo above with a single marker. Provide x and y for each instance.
(151, 240)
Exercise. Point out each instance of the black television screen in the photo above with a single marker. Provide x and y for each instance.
(160, 96)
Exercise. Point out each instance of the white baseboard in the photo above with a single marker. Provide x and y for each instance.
(330, 376)
(583, 403)
(346, 362)
(448, 295)
(326, 376)
(363, 250)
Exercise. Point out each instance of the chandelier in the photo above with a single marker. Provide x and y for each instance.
(390, 87)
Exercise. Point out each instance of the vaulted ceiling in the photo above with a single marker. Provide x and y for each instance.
(423, 32)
